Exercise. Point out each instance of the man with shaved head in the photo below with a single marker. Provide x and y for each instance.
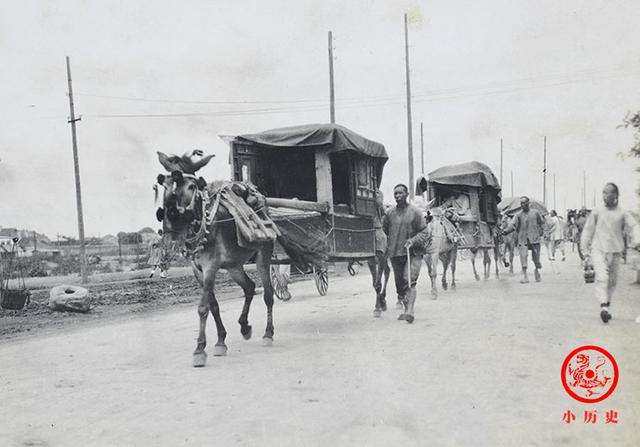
(603, 242)
(528, 223)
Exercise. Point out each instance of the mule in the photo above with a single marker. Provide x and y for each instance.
(508, 245)
(444, 249)
(212, 243)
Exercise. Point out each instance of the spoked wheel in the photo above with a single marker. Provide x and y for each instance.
(321, 276)
(280, 283)
(353, 268)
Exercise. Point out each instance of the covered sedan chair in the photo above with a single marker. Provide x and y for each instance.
(473, 192)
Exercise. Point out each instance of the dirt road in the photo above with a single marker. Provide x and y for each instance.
(479, 367)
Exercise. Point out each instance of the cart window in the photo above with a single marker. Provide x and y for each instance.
(340, 175)
(366, 178)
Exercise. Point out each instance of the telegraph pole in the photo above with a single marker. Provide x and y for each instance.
(76, 167)
(409, 133)
(544, 174)
(554, 191)
(422, 145)
(584, 189)
(332, 97)
(512, 183)
(501, 159)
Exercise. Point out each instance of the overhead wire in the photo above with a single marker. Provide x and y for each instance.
(309, 105)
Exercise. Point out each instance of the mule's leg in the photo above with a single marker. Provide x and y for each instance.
(248, 287)
(263, 262)
(384, 270)
(496, 255)
(473, 264)
(454, 258)
(431, 271)
(209, 279)
(444, 258)
(373, 269)
(511, 256)
(199, 355)
(486, 261)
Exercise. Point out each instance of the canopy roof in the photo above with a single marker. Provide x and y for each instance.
(336, 138)
(472, 173)
(511, 205)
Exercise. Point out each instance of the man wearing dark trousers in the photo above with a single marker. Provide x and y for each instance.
(528, 224)
(405, 228)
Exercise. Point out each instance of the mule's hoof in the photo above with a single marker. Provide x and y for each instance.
(445, 286)
(377, 313)
(246, 332)
(199, 359)
(383, 306)
(453, 287)
(477, 278)
(409, 318)
(219, 350)
(267, 342)
(399, 305)
(402, 317)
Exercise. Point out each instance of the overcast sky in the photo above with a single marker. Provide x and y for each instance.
(481, 71)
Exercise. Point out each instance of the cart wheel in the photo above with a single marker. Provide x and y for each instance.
(321, 276)
(353, 268)
(279, 283)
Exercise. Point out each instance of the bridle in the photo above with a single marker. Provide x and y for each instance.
(203, 206)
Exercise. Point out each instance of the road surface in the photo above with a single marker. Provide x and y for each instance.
(479, 367)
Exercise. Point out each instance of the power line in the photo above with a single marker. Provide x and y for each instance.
(433, 96)
(569, 77)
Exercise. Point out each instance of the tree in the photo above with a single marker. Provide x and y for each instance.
(633, 120)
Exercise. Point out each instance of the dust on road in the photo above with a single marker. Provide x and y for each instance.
(479, 367)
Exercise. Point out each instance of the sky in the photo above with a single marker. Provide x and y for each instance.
(172, 76)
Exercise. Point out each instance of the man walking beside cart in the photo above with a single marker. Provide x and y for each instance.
(528, 224)
(408, 235)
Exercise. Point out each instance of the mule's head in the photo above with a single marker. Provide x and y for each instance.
(181, 209)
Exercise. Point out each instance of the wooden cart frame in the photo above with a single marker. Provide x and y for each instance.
(320, 178)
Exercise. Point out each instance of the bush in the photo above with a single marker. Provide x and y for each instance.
(34, 266)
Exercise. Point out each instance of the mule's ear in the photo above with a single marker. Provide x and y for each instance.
(164, 161)
(202, 183)
(169, 162)
(202, 162)
(177, 177)
(160, 179)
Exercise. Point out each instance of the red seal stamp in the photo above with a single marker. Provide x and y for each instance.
(589, 374)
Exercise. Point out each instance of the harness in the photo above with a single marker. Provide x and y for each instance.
(204, 206)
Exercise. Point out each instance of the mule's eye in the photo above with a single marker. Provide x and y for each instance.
(191, 187)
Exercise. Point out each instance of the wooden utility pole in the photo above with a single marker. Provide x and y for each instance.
(512, 183)
(554, 191)
(409, 133)
(501, 159)
(422, 146)
(544, 174)
(332, 97)
(584, 189)
(76, 167)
